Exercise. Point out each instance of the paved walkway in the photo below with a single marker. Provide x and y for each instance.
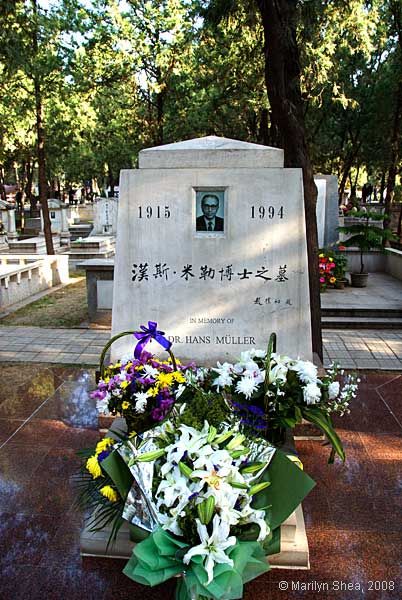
(383, 292)
(351, 349)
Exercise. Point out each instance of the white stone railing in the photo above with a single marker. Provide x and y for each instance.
(23, 276)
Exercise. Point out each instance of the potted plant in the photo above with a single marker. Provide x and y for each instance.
(340, 269)
(365, 236)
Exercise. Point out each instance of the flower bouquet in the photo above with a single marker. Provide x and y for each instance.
(271, 392)
(326, 267)
(203, 494)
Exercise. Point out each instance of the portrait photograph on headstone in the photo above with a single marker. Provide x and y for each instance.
(210, 211)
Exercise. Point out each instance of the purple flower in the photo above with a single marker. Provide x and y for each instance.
(103, 455)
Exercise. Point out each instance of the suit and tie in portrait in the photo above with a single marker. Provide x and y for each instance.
(209, 221)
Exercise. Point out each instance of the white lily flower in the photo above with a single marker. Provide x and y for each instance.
(250, 515)
(278, 373)
(169, 523)
(174, 486)
(191, 441)
(222, 381)
(212, 547)
(257, 374)
(257, 353)
(208, 458)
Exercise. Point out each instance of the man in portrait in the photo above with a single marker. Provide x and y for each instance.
(209, 221)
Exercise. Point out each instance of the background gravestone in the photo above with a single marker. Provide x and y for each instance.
(215, 292)
(327, 210)
(105, 216)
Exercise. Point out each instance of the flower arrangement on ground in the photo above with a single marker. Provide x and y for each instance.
(271, 392)
(143, 390)
(205, 504)
(326, 265)
(196, 476)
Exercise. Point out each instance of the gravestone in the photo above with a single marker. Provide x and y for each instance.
(218, 292)
(327, 209)
(58, 220)
(105, 217)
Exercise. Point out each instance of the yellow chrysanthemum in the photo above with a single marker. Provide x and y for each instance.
(109, 493)
(104, 445)
(165, 379)
(93, 467)
(179, 377)
(125, 405)
(153, 391)
(124, 384)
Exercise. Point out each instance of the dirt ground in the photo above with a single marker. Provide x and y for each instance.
(66, 307)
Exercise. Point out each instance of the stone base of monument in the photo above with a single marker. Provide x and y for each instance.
(92, 247)
(80, 230)
(294, 552)
(34, 245)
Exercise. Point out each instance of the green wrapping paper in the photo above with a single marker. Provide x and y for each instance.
(289, 486)
(159, 557)
(119, 473)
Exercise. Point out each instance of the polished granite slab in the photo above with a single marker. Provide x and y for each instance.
(353, 515)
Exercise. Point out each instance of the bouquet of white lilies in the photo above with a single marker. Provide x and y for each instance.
(206, 502)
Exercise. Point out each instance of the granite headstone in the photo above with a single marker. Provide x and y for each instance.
(211, 244)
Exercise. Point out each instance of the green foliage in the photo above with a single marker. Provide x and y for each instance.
(364, 235)
(205, 405)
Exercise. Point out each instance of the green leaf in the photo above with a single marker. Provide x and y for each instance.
(323, 421)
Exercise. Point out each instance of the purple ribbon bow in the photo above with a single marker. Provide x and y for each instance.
(146, 335)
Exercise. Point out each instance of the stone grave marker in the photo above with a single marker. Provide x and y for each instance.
(105, 217)
(58, 220)
(327, 210)
(211, 245)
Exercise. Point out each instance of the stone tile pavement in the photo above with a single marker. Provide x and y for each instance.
(364, 349)
(45, 345)
(351, 349)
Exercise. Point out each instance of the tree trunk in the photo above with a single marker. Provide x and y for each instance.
(40, 133)
(382, 187)
(263, 134)
(282, 77)
(394, 158)
(396, 12)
